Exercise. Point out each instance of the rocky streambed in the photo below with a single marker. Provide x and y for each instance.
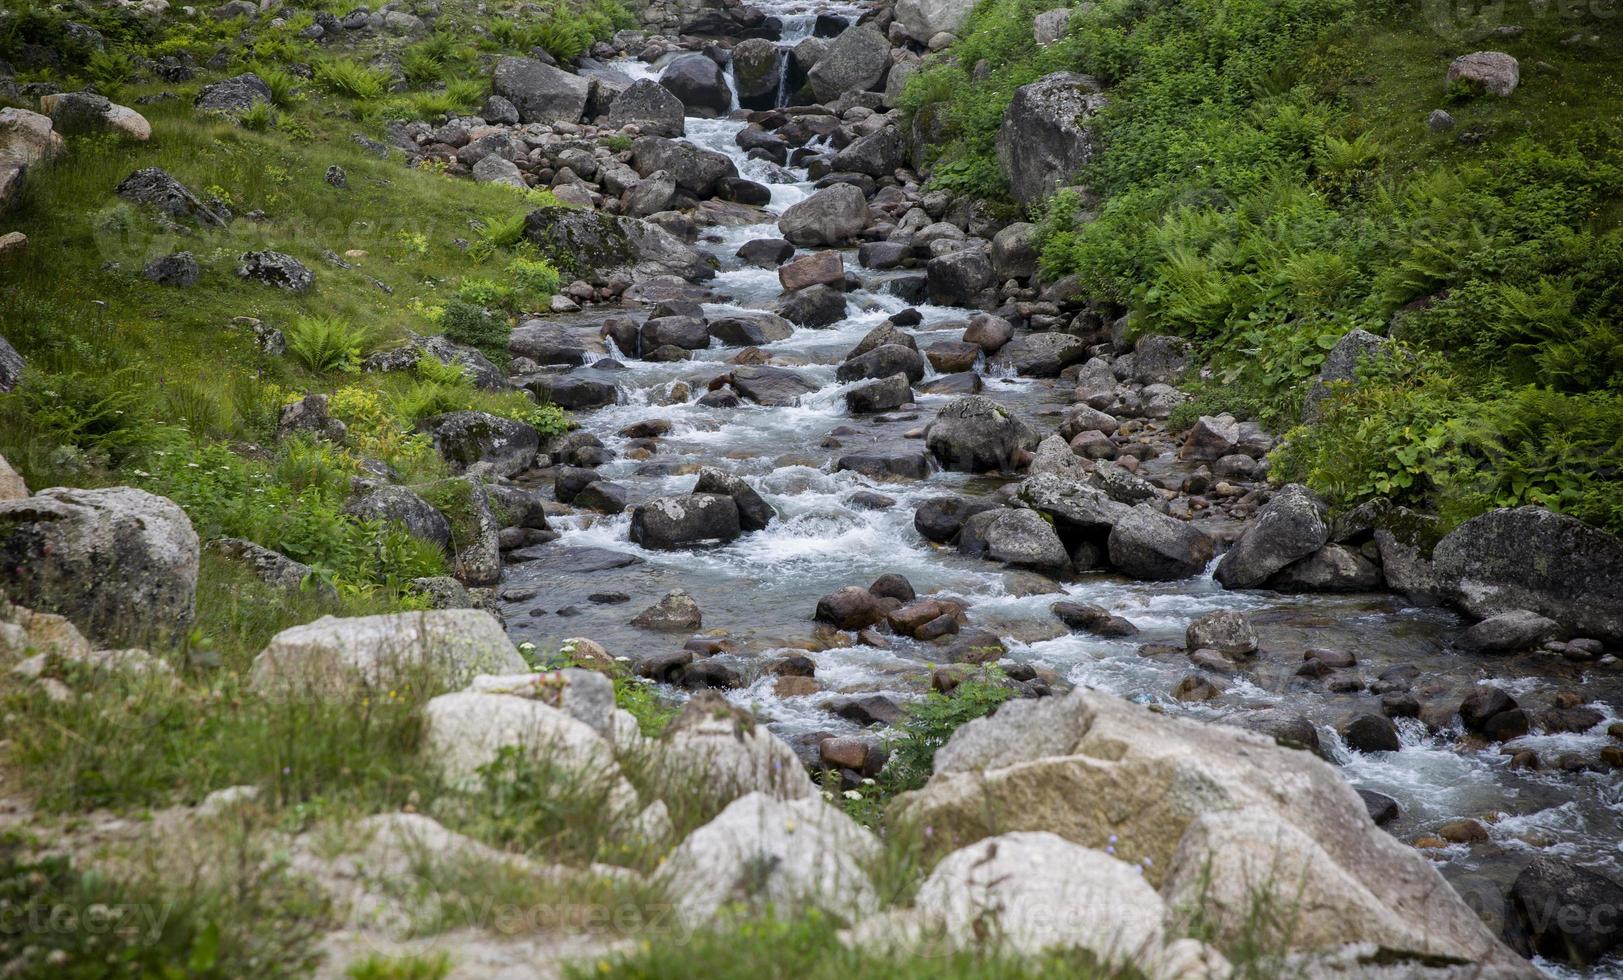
(740, 388)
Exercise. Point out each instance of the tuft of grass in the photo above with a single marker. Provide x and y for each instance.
(350, 78)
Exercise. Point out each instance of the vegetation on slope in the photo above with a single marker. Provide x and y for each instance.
(1269, 182)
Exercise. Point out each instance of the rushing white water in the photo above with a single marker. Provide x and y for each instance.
(761, 589)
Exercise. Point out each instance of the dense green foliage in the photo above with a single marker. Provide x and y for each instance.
(1268, 183)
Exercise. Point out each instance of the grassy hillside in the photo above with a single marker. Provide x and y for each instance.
(169, 388)
(1270, 182)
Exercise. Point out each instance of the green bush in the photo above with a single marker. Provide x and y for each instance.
(470, 323)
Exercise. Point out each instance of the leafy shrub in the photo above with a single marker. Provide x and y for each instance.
(259, 117)
(424, 63)
(469, 323)
(930, 722)
(107, 417)
(327, 344)
(533, 278)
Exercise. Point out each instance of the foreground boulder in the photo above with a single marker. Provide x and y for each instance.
(332, 653)
(541, 92)
(857, 61)
(1563, 912)
(975, 434)
(832, 216)
(729, 752)
(1044, 138)
(1213, 814)
(786, 855)
(119, 562)
(1533, 559)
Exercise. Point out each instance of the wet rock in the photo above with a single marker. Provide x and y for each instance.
(686, 332)
(699, 83)
(824, 268)
(668, 523)
(887, 334)
(603, 247)
(1287, 728)
(1382, 808)
(603, 496)
(1289, 527)
(1490, 711)
(882, 362)
(938, 519)
(1371, 733)
(1121, 485)
(1333, 568)
(1045, 136)
(1147, 544)
(957, 278)
(1487, 566)
(1227, 631)
(893, 586)
(886, 464)
(677, 612)
(1563, 912)
(952, 356)
(976, 434)
(873, 709)
(1041, 355)
(1076, 506)
(696, 170)
(767, 253)
(831, 216)
(1194, 687)
(751, 329)
(766, 385)
(1508, 632)
(877, 154)
(883, 395)
(1090, 618)
(856, 61)
(1210, 438)
(1021, 538)
(813, 307)
(649, 106)
(988, 332)
(754, 513)
(540, 92)
(850, 608)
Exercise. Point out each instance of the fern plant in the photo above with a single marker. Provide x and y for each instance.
(327, 344)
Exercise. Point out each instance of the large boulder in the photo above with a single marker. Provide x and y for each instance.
(154, 188)
(465, 731)
(832, 216)
(754, 513)
(1040, 355)
(699, 83)
(1491, 72)
(121, 563)
(1077, 506)
(1290, 526)
(1340, 367)
(667, 523)
(1045, 136)
(1216, 817)
(767, 385)
(28, 139)
(975, 434)
(334, 653)
(857, 61)
(542, 93)
(475, 532)
(765, 853)
(1035, 892)
(233, 96)
(882, 362)
(729, 752)
(756, 71)
(1531, 558)
(599, 247)
(399, 505)
(696, 170)
(467, 437)
(1023, 539)
(650, 107)
(924, 19)
(1563, 912)
(1147, 544)
(877, 154)
(957, 278)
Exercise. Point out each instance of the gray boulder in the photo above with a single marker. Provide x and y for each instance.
(832, 216)
(976, 434)
(1147, 544)
(600, 247)
(233, 96)
(1333, 568)
(309, 417)
(1045, 136)
(11, 365)
(276, 269)
(1289, 527)
(924, 19)
(766, 385)
(399, 505)
(882, 395)
(1014, 251)
(1490, 72)
(754, 513)
(1509, 632)
(696, 170)
(1072, 503)
(700, 84)
(755, 73)
(957, 278)
(1041, 355)
(1531, 558)
(1341, 367)
(540, 92)
(119, 562)
(154, 188)
(814, 306)
(668, 523)
(1228, 631)
(179, 269)
(333, 654)
(1023, 539)
(1159, 359)
(650, 107)
(882, 362)
(467, 437)
(877, 154)
(857, 61)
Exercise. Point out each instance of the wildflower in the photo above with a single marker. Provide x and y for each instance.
(852, 794)
(867, 782)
